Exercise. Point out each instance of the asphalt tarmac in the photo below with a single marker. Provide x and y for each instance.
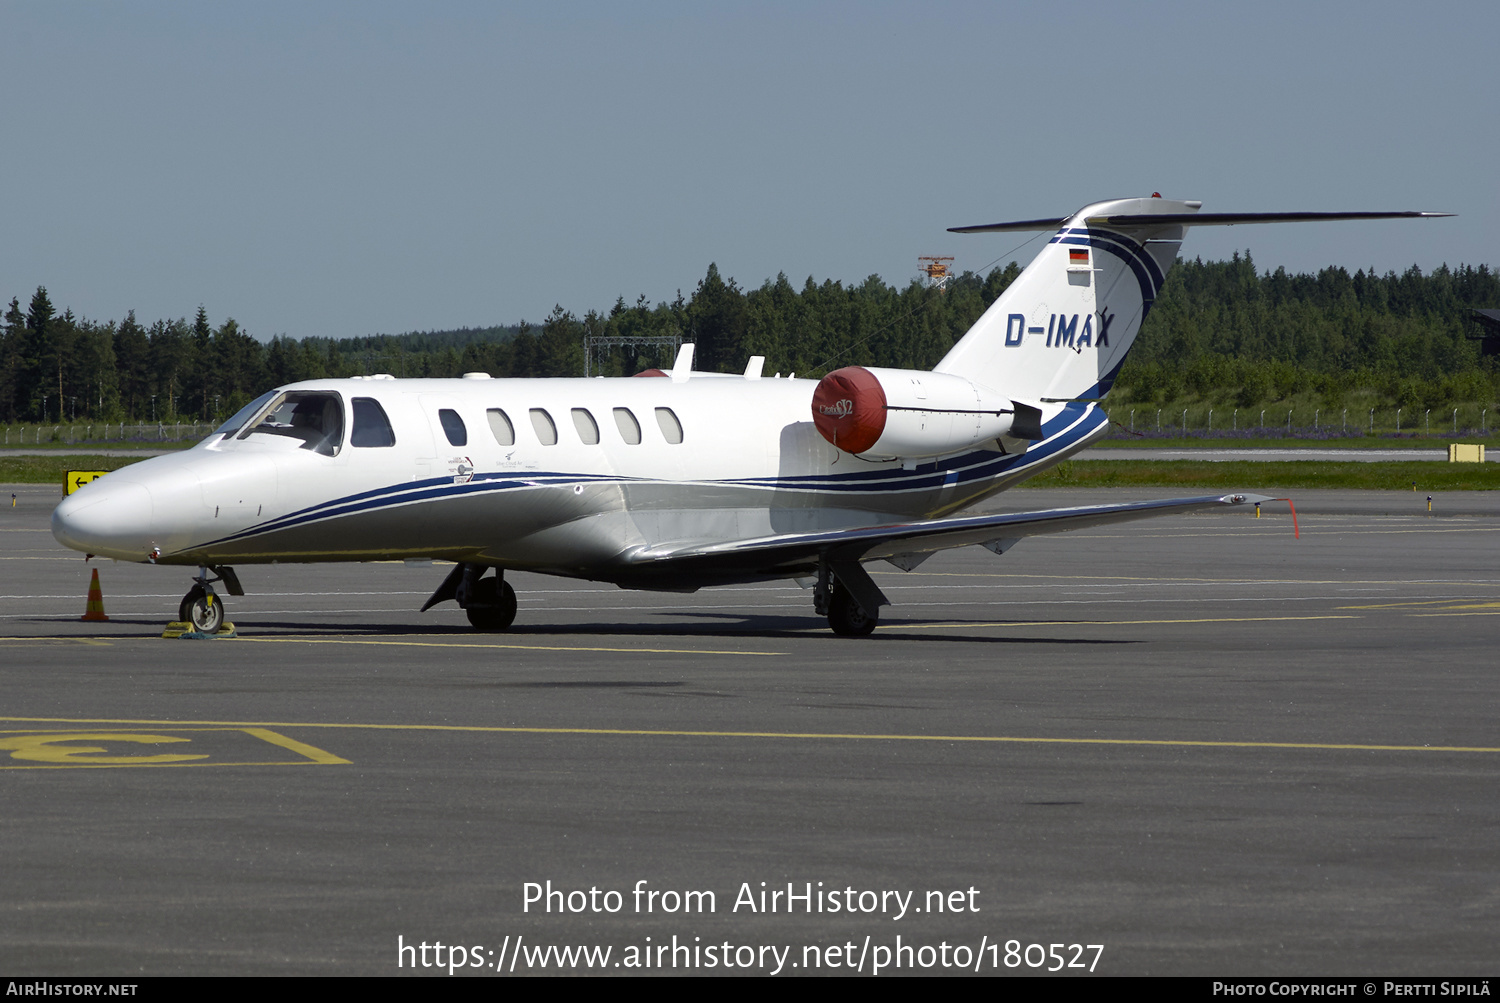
(1206, 745)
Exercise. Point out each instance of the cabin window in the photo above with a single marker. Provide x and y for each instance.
(588, 429)
(244, 414)
(371, 426)
(546, 431)
(670, 426)
(453, 427)
(500, 426)
(314, 417)
(630, 429)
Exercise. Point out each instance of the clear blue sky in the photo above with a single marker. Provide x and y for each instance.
(352, 168)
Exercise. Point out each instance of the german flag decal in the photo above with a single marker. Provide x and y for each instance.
(1078, 255)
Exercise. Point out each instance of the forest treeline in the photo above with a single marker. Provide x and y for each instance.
(1219, 330)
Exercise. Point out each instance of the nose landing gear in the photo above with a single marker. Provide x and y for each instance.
(202, 607)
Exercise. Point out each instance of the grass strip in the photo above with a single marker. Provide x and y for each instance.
(1270, 442)
(79, 448)
(50, 469)
(1269, 476)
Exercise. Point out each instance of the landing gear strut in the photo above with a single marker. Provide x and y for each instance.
(489, 602)
(849, 597)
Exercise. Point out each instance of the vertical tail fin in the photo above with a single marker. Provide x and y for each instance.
(1061, 330)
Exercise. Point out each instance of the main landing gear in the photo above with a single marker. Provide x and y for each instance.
(202, 607)
(490, 603)
(849, 597)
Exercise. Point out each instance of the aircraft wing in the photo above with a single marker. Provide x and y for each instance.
(699, 562)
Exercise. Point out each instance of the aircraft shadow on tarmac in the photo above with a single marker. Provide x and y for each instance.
(727, 624)
(718, 625)
(752, 625)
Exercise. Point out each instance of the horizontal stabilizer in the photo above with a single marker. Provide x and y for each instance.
(1233, 218)
(1018, 225)
(1193, 219)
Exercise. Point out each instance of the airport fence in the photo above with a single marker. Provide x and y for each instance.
(1298, 422)
(104, 434)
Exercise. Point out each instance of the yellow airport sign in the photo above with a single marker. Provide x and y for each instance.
(1464, 452)
(75, 479)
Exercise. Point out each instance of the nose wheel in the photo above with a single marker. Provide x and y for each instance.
(202, 608)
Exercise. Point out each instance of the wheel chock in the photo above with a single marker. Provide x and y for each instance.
(183, 629)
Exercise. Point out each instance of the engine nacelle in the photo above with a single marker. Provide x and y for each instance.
(906, 414)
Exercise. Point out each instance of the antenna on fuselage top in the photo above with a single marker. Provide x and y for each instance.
(683, 367)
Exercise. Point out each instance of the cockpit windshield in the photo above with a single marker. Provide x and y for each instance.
(243, 415)
(315, 417)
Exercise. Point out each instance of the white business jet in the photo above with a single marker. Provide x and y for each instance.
(678, 481)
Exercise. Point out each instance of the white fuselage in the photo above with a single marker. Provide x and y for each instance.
(747, 463)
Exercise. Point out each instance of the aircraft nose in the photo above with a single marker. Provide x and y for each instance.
(112, 520)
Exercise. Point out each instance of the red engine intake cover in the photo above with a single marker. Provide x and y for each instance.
(849, 408)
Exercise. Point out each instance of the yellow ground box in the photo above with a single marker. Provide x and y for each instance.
(1464, 452)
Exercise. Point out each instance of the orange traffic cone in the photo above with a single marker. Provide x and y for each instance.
(95, 609)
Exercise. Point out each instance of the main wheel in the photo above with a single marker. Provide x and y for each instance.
(492, 606)
(847, 617)
(204, 611)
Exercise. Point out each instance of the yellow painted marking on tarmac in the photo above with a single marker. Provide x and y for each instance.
(1401, 532)
(1267, 531)
(1478, 605)
(312, 752)
(1322, 530)
(1448, 608)
(53, 557)
(1428, 604)
(514, 647)
(48, 749)
(846, 736)
(1111, 623)
(1493, 612)
(1401, 605)
(1476, 583)
(62, 639)
(53, 750)
(165, 766)
(784, 735)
